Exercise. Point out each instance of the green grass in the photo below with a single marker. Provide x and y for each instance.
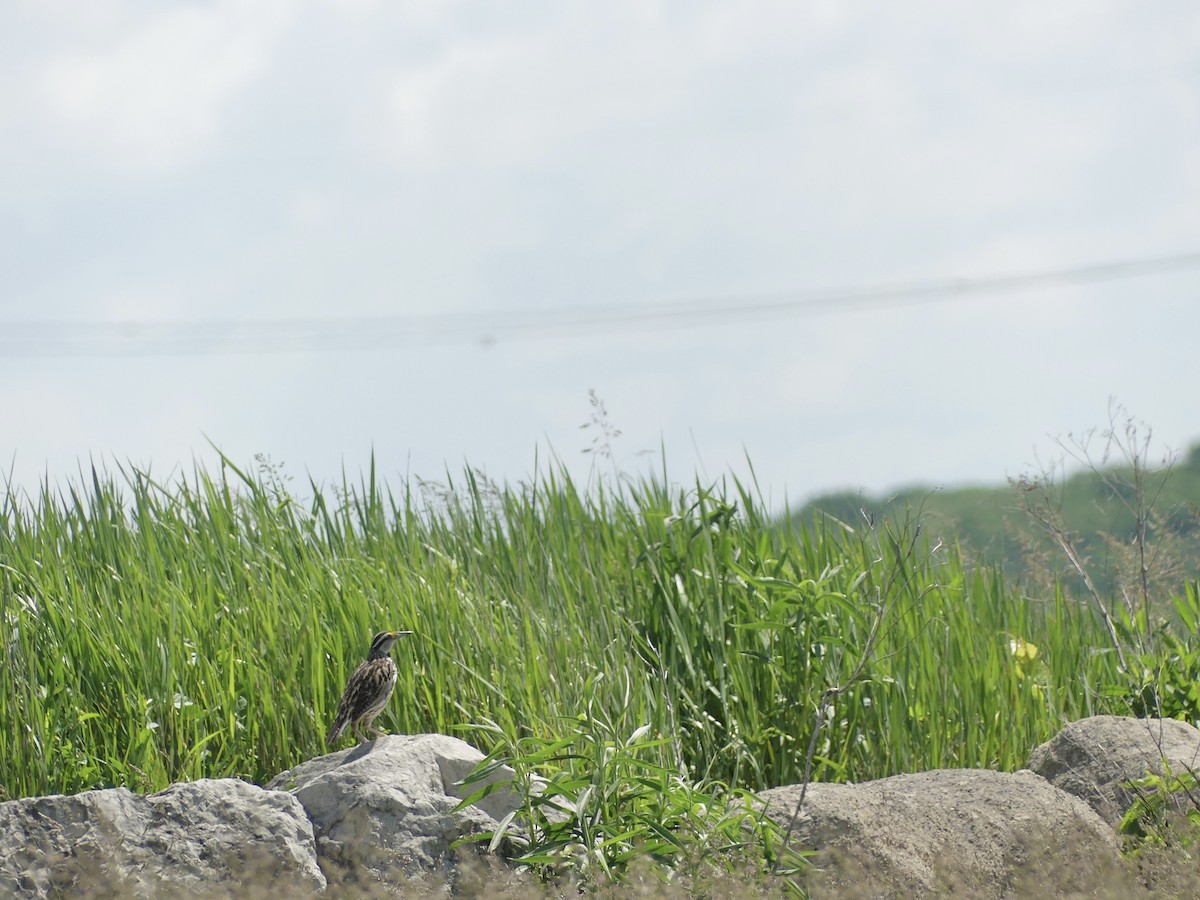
(154, 632)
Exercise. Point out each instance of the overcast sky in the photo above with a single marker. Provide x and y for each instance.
(237, 162)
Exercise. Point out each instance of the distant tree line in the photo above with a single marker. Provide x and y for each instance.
(1099, 508)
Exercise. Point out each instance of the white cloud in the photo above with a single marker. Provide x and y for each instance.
(378, 158)
(154, 98)
(505, 98)
(139, 304)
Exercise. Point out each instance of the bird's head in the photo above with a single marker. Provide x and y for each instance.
(381, 644)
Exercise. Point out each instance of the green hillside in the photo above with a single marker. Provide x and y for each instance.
(1098, 509)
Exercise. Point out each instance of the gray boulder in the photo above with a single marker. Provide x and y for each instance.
(383, 812)
(969, 831)
(1093, 758)
(211, 837)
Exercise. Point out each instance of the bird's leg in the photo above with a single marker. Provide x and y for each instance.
(375, 731)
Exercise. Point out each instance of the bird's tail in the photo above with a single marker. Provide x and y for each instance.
(335, 732)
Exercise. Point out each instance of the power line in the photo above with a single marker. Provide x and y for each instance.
(45, 338)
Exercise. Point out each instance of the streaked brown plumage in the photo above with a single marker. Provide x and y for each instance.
(368, 689)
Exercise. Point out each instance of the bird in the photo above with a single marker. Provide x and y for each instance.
(368, 689)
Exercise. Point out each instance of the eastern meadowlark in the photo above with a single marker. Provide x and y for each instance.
(368, 690)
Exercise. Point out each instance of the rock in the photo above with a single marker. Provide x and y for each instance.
(966, 831)
(382, 812)
(1092, 758)
(215, 836)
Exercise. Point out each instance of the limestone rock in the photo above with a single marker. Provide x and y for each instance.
(966, 831)
(1092, 758)
(214, 836)
(382, 811)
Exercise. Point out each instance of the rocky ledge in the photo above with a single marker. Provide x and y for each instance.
(383, 816)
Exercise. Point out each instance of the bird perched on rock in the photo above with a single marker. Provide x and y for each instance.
(368, 690)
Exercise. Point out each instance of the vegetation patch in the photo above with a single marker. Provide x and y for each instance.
(649, 650)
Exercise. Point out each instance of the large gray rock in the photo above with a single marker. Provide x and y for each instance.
(1093, 758)
(211, 837)
(382, 812)
(966, 831)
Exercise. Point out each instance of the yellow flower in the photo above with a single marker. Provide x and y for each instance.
(1025, 654)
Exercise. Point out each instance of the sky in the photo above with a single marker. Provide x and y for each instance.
(426, 232)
